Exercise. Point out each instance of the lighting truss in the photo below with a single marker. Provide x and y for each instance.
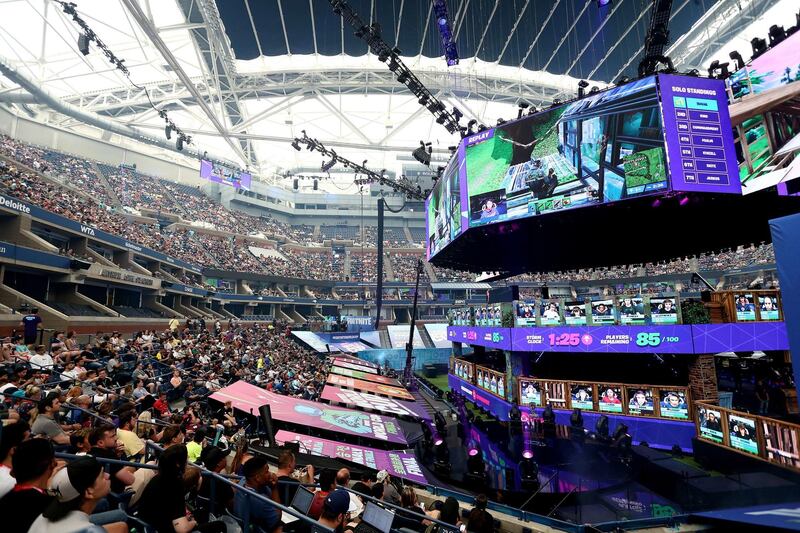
(443, 23)
(372, 36)
(399, 184)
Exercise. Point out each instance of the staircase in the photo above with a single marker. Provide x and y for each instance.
(315, 235)
(347, 268)
(388, 268)
(409, 237)
(111, 192)
(424, 402)
(426, 339)
(384, 336)
(429, 269)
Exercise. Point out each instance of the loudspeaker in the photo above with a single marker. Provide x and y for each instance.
(545, 292)
(503, 294)
(83, 44)
(266, 418)
(295, 184)
(315, 185)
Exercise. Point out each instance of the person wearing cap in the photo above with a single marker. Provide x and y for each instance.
(259, 479)
(32, 464)
(79, 487)
(335, 511)
(390, 494)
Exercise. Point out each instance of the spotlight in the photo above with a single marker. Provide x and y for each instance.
(383, 56)
(296, 145)
(527, 454)
(522, 107)
(582, 85)
(423, 153)
(683, 201)
(656, 203)
(548, 416)
(737, 59)
(440, 119)
(623, 80)
(402, 77)
(601, 427)
(473, 452)
(457, 114)
(721, 67)
(694, 73)
(603, 3)
(438, 440)
(83, 44)
(326, 167)
(776, 35)
(594, 89)
(360, 32)
(471, 125)
(759, 46)
(501, 121)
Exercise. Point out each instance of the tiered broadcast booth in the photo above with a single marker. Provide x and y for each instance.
(547, 359)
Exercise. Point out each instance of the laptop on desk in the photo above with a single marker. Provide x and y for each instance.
(375, 519)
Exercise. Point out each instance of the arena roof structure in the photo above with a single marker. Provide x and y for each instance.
(243, 78)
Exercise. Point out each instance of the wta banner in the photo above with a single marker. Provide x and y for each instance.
(402, 465)
(611, 339)
(358, 374)
(365, 400)
(366, 386)
(249, 398)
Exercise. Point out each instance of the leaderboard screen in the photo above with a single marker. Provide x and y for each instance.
(443, 208)
(603, 148)
(221, 174)
(697, 126)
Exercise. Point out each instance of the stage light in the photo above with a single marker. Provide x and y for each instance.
(776, 35)
(501, 121)
(383, 55)
(738, 61)
(83, 44)
(471, 126)
(620, 432)
(473, 452)
(759, 46)
(326, 167)
(603, 3)
(296, 145)
(548, 415)
(623, 80)
(576, 418)
(438, 440)
(683, 201)
(721, 67)
(601, 427)
(594, 89)
(694, 72)
(656, 203)
(440, 119)
(423, 153)
(402, 77)
(522, 107)
(582, 85)
(360, 32)
(527, 454)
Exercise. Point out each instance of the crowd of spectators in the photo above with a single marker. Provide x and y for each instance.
(363, 267)
(404, 267)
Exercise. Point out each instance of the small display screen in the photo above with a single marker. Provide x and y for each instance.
(768, 306)
(640, 401)
(575, 313)
(663, 311)
(631, 311)
(610, 398)
(530, 393)
(550, 313)
(710, 424)
(603, 312)
(525, 314)
(582, 396)
(742, 433)
(745, 307)
(673, 404)
(221, 174)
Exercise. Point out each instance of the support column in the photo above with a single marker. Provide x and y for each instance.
(703, 378)
(517, 364)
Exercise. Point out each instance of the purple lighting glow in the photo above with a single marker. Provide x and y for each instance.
(527, 454)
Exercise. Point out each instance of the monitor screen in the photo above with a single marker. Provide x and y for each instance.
(575, 313)
(663, 311)
(710, 424)
(768, 306)
(550, 313)
(776, 67)
(530, 393)
(219, 173)
(302, 500)
(525, 315)
(602, 148)
(745, 307)
(582, 396)
(742, 433)
(640, 401)
(673, 404)
(603, 312)
(631, 311)
(378, 517)
(610, 398)
(444, 209)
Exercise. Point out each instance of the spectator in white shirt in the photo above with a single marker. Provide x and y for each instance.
(41, 360)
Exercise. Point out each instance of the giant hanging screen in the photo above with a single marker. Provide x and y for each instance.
(443, 208)
(221, 174)
(603, 148)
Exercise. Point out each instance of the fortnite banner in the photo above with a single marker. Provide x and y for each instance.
(366, 376)
(616, 339)
(367, 386)
(249, 398)
(365, 400)
(402, 465)
(499, 338)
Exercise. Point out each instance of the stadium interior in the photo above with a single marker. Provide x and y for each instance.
(376, 267)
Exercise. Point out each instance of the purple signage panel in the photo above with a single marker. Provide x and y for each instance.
(609, 339)
(698, 135)
(398, 464)
(740, 337)
(247, 397)
(365, 400)
(495, 405)
(499, 338)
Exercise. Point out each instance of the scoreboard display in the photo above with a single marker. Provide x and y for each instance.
(647, 137)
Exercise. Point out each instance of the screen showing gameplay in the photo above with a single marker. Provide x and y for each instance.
(663, 311)
(227, 176)
(444, 209)
(610, 398)
(674, 404)
(575, 313)
(582, 396)
(640, 401)
(631, 311)
(777, 66)
(742, 433)
(603, 148)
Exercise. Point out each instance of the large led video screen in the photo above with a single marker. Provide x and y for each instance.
(778, 66)
(227, 176)
(443, 208)
(603, 148)
(699, 138)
